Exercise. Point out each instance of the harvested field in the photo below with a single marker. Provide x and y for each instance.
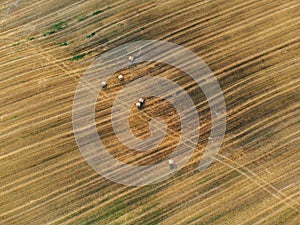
(253, 49)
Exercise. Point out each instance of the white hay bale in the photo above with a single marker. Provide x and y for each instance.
(171, 164)
(121, 77)
(141, 100)
(131, 58)
(138, 105)
(103, 84)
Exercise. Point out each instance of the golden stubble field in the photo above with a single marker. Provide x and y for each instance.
(251, 46)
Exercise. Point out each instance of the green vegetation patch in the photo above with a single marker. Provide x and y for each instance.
(80, 18)
(59, 26)
(48, 32)
(64, 43)
(16, 44)
(97, 12)
(56, 27)
(91, 35)
(30, 38)
(78, 57)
